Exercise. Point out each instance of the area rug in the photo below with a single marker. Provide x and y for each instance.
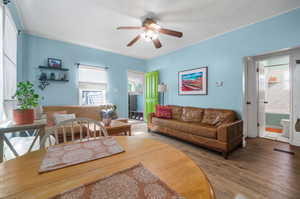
(60, 156)
(134, 183)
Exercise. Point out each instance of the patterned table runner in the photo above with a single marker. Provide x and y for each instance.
(60, 156)
(134, 183)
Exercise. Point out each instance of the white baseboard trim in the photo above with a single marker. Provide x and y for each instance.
(296, 143)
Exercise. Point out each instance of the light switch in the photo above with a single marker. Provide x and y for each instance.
(219, 84)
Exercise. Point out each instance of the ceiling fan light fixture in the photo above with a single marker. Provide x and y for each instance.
(155, 26)
(149, 35)
(150, 32)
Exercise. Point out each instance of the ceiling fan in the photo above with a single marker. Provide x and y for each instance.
(151, 31)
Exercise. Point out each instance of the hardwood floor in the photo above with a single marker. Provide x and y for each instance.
(254, 172)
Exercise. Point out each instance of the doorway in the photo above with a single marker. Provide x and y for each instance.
(136, 95)
(274, 98)
(271, 105)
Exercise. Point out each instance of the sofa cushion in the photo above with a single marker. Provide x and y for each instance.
(191, 114)
(50, 116)
(216, 117)
(58, 118)
(195, 128)
(163, 112)
(176, 112)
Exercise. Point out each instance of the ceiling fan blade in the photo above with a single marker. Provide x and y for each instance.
(134, 40)
(170, 32)
(129, 28)
(156, 43)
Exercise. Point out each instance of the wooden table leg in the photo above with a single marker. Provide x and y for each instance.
(42, 134)
(129, 131)
(1, 149)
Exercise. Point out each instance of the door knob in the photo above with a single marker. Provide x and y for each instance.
(265, 102)
(297, 126)
(248, 102)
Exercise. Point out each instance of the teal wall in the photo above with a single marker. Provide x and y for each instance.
(36, 50)
(273, 119)
(222, 54)
(224, 57)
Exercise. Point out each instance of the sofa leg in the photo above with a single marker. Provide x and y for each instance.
(241, 145)
(225, 155)
(149, 130)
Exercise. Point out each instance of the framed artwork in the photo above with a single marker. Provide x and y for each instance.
(55, 63)
(193, 82)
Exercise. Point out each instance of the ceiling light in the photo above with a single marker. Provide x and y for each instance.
(155, 26)
(149, 35)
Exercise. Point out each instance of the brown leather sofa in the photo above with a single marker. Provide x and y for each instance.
(216, 129)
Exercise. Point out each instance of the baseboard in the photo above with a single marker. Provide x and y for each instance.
(296, 143)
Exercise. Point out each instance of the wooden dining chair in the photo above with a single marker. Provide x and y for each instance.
(78, 129)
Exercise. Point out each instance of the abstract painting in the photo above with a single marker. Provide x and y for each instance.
(193, 82)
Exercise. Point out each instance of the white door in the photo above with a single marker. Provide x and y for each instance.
(295, 64)
(261, 98)
(250, 117)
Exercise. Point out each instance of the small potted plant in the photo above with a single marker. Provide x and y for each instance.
(27, 99)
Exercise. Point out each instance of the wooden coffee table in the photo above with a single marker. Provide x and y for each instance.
(117, 128)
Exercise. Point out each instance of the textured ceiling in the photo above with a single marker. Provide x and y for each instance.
(93, 23)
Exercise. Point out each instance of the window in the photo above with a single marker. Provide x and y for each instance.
(92, 85)
(8, 59)
(10, 56)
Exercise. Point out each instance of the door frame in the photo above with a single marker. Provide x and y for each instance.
(250, 61)
(139, 73)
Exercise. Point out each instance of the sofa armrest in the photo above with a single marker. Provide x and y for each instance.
(149, 118)
(230, 131)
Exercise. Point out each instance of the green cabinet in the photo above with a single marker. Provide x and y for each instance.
(151, 92)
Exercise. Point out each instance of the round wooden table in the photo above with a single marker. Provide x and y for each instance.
(19, 177)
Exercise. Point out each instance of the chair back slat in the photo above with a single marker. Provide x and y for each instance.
(95, 130)
(88, 130)
(68, 131)
(64, 134)
(56, 136)
(80, 129)
(72, 131)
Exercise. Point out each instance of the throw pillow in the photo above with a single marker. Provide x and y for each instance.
(63, 117)
(109, 113)
(163, 112)
(50, 117)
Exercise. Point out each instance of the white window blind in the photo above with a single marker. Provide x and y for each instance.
(92, 83)
(10, 56)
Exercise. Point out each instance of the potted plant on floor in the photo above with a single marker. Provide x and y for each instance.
(27, 99)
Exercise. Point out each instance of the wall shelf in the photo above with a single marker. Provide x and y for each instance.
(45, 77)
(57, 80)
(52, 68)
